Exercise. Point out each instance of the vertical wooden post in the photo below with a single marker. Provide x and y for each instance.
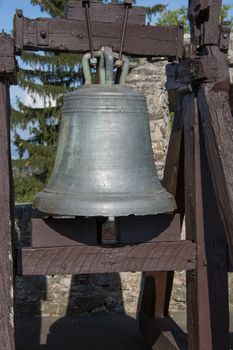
(207, 294)
(7, 341)
(198, 310)
(155, 323)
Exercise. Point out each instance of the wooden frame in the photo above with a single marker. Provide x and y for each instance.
(198, 172)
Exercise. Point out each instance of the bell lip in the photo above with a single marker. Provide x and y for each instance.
(50, 203)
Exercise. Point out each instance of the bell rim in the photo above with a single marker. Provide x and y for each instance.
(159, 203)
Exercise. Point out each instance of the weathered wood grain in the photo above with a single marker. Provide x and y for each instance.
(157, 287)
(58, 232)
(160, 256)
(72, 36)
(106, 13)
(217, 124)
(7, 57)
(6, 226)
(198, 320)
(204, 19)
(216, 255)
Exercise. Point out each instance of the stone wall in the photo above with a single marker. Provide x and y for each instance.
(62, 295)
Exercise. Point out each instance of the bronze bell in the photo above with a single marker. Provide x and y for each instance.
(104, 164)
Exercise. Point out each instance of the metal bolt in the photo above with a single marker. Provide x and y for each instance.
(181, 25)
(18, 49)
(43, 34)
(225, 35)
(19, 13)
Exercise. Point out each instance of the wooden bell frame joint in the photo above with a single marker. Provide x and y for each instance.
(198, 173)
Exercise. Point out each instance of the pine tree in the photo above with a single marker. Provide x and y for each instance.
(48, 76)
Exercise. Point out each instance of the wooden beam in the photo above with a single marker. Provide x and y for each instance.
(7, 58)
(51, 232)
(160, 256)
(6, 225)
(157, 286)
(71, 36)
(198, 306)
(204, 19)
(216, 257)
(217, 124)
(106, 13)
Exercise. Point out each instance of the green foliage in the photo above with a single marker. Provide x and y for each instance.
(26, 188)
(47, 76)
(54, 7)
(173, 17)
(153, 10)
(225, 14)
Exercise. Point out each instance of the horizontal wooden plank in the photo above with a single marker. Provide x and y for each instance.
(58, 232)
(71, 36)
(106, 13)
(160, 256)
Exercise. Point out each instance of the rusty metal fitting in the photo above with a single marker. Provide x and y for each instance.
(110, 233)
(119, 63)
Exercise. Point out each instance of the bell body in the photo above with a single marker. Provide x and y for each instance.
(104, 164)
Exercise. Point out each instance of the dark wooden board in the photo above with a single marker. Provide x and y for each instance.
(198, 307)
(105, 13)
(6, 225)
(217, 123)
(154, 228)
(216, 256)
(204, 19)
(58, 232)
(7, 58)
(157, 286)
(160, 256)
(72, 36)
